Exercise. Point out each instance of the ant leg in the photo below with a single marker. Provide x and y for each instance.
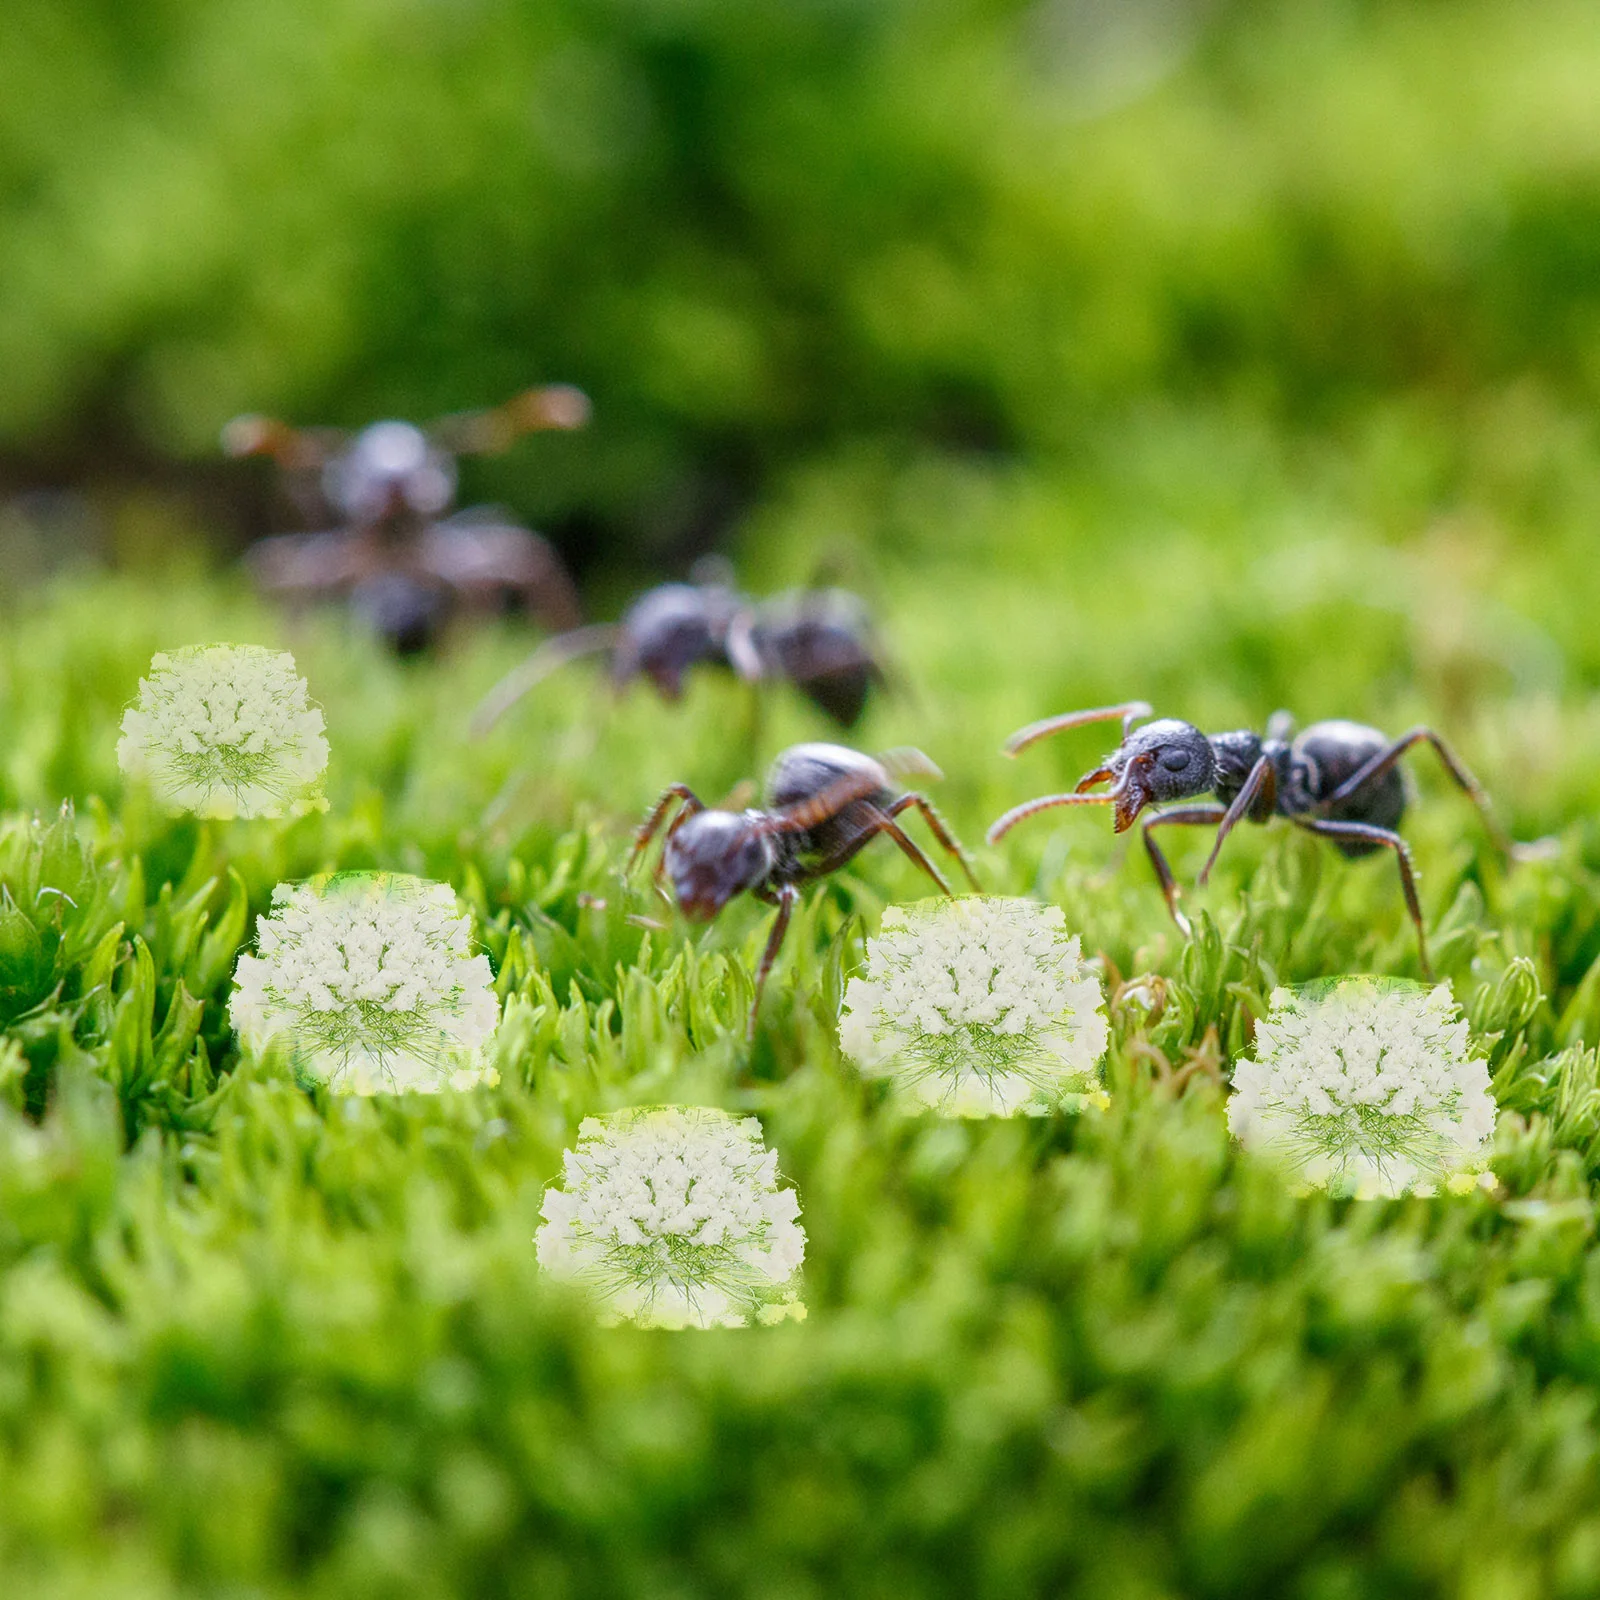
(847, 852)
(1183, 816)
(651, 825)
(1260, 775)
(743, 656)
(875, 822)
(1130, 713)
(785, 899)
(294, 449)
(940, 829)
(1402, 855)
(881, 822)
(755, 714)
(1464, 780)
(841, 857)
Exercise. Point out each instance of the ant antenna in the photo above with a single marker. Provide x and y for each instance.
(555, 406)
(549, 657)
(1130, 713)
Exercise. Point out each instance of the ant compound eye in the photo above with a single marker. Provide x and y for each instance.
(1174, 758)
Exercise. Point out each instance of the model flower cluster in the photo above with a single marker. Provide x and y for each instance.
(226, 731)
(370, 983)
(673, 1218)
(978, 1007)
(1366, 1087)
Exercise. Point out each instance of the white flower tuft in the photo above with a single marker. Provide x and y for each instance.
(226, 730)
(673, 1217)
(369, 980)
(978, 1007)
(1365, 1087)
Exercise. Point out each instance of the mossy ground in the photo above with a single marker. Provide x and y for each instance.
(254, 1340)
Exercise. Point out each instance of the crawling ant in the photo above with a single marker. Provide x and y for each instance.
(1338, 780)
(822, 804)
(819, 640)
(396, 559)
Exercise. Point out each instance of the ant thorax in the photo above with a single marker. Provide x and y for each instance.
(1235, 756)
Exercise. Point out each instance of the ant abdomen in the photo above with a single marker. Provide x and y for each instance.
(1325, 756)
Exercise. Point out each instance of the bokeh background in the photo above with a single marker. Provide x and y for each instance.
(841, 272)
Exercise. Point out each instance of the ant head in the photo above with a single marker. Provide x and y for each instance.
(715, 855)
(1165, 760)
(390, 468)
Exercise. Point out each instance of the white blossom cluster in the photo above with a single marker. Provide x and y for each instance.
(672, 1217)
(1366, 1087)
(370, 983)
(226, 731)
(978, 1007)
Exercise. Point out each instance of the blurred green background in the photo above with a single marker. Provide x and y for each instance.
(1212, 245)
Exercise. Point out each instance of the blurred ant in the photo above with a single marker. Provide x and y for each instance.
(819, 640)
(396, 560)
(823, 803)
(822, 642)
(1339, 780)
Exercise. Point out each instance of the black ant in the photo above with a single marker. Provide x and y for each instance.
(820, 640)
(822, 804)
(1339, 780)
(396, 559)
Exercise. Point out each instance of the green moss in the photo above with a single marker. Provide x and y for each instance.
(254, 1337)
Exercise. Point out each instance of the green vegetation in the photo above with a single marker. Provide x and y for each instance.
(1265, 379)
(259, 1342)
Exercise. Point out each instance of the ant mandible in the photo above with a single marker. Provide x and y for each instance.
(822, 804)
(1338, 780)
